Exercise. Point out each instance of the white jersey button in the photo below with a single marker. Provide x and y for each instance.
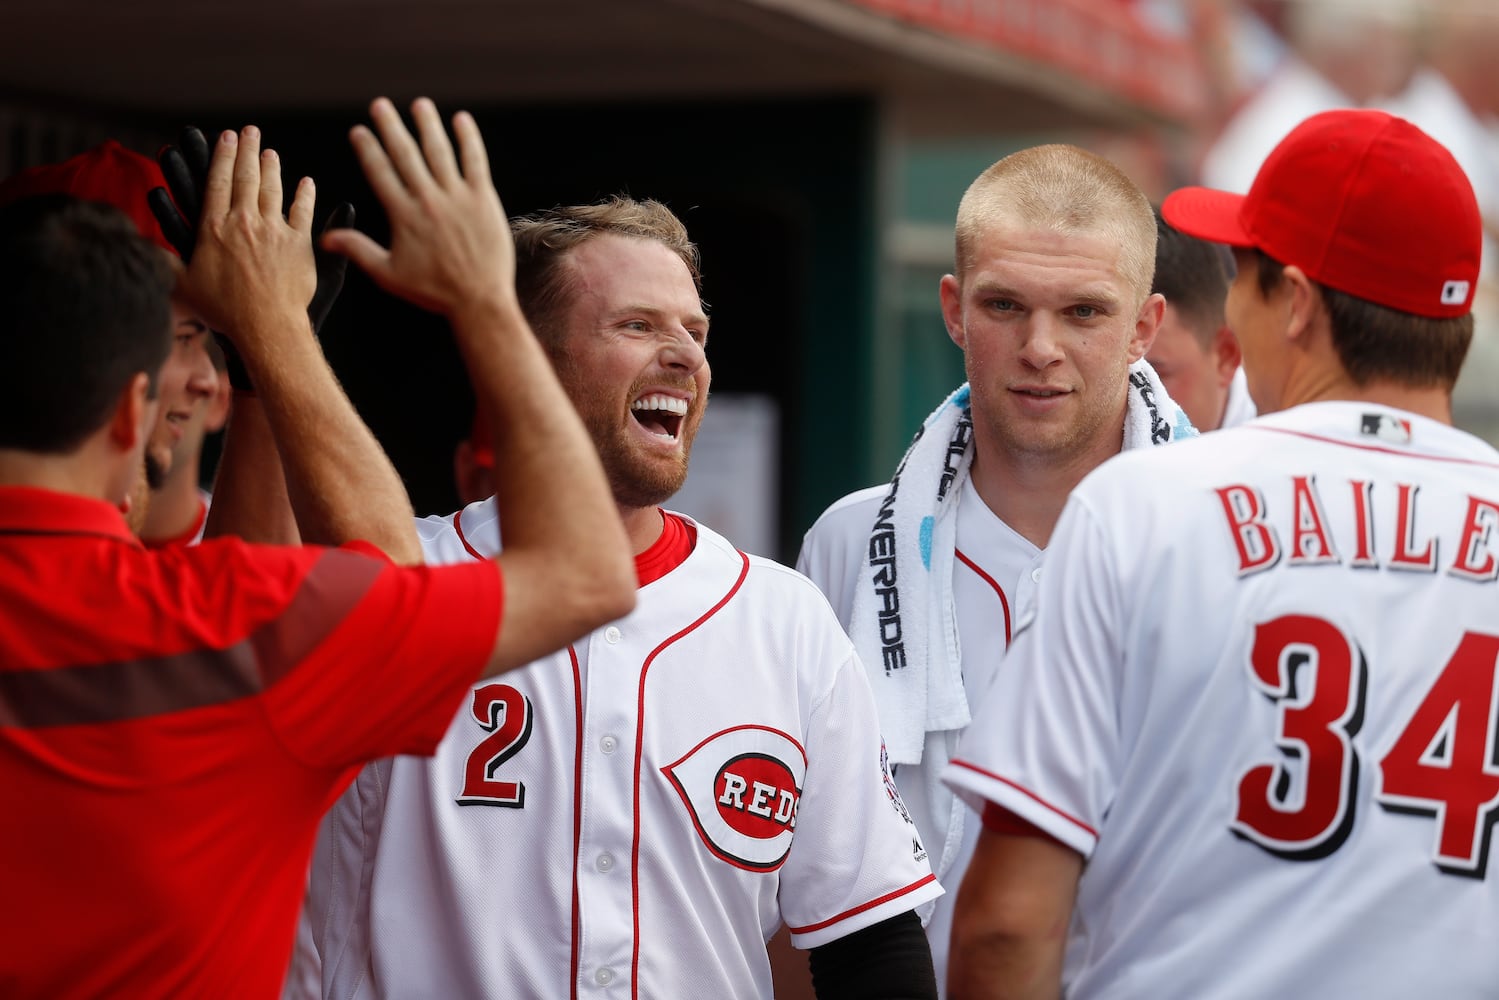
(611, 635)
(604, 862)
(608, 744)
(1036, 575)
(604, 977)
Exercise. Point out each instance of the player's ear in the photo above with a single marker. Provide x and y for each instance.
(1227, 356)
(950, 292)
(1301, 301)
(1147, 325)
(134, 413)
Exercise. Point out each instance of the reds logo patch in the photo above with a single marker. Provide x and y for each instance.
(742, 788)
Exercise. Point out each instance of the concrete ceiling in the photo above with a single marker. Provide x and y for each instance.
(159, 56)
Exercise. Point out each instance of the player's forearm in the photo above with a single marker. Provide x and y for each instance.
(340, 483)
(1011, 918)
(249, 493)
(561, 525)
(996, 965)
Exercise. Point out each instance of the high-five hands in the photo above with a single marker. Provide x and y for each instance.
(185, 168)
(450, 246)
(251, 272)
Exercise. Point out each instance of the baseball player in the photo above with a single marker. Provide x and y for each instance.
(1246, 744)
(178, 511)
(1052, 308)
(173, 723)
(116, 176)
(636, 815)
(1195, 353)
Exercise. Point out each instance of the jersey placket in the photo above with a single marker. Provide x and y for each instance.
(606, 896)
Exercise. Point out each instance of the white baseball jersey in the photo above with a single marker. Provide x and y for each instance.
(994, 577)
(1240, 407)
(1259, 697)
(632, 817)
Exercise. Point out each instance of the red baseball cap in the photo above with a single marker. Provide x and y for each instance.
(1363, 202)
(109, 173)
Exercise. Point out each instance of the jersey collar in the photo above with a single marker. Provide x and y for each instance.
(28, 510)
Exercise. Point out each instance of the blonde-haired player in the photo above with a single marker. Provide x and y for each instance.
(1050, 303)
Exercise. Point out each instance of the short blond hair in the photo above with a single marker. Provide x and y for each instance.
(1066, 190)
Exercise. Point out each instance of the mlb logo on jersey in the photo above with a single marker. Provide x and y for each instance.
(1385, 427)
(742, 788)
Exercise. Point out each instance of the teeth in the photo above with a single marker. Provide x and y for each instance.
(658, 401)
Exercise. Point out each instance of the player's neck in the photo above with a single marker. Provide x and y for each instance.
(83, 473)
(1027, 491)
(643, 525)
(1432, 402)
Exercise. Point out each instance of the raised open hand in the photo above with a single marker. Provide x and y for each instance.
(250, 264)
(185, 167)
(450, 245)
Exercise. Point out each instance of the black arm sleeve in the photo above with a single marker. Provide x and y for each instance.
(889, 960)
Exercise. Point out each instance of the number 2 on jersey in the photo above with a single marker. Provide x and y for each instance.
(505, 714)
(1442, 764)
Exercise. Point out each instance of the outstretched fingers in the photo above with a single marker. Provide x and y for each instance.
(219, 187)
(471, 150)
(399, 145)
(435, 144)
(368, 255)
(270, 183)
(247, 171)
(378, 169)
(303, 204)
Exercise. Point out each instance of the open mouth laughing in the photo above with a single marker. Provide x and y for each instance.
(660, 414)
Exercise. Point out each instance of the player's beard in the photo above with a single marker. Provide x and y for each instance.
(637, 480)
(138, 503)
(155, 472)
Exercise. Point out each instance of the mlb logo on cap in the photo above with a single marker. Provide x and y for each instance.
(1455, 293)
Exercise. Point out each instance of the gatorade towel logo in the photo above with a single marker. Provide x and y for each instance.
(742, 788)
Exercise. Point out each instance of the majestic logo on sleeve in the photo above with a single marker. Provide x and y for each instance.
(742, 788)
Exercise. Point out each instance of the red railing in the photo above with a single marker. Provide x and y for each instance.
(1099, 41)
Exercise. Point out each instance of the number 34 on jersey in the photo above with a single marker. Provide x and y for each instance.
(1303, 805)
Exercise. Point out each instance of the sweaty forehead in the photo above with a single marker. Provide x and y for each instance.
(612, 273)
(1085, 264)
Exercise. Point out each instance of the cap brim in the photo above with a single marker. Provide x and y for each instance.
(1208, 215)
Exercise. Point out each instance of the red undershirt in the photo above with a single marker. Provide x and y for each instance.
(666, 553)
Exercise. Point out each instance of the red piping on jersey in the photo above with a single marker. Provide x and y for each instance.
(1374, 447)
(1031, 795)
(990, 581)
(458, 527)
(572, 654)
(639, 753)
(865, 906)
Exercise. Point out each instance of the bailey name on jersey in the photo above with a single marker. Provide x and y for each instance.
(1383, 531)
